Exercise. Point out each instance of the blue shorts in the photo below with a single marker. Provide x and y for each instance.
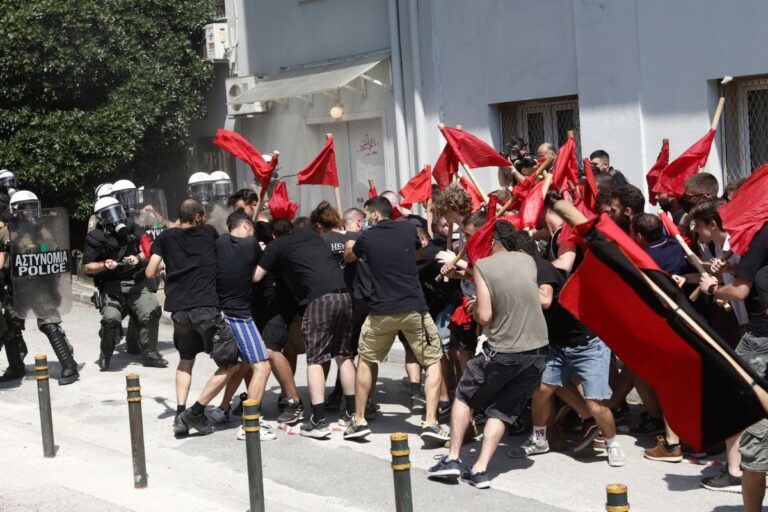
(588, 364)
(252, 349)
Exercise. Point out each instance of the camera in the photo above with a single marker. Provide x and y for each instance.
(510, 152)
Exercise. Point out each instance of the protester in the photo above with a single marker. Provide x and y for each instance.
(189, 254)
(601, 164)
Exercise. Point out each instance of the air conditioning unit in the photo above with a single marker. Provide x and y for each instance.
(216, 42)
(235, 87)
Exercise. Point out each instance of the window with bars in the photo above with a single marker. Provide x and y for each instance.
(544, 120)
(219, 10)
(210, 157)
(745, 126)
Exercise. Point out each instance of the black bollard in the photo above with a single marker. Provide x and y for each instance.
(44, 398)
(616, 500)
(252, 429)
(133, 389)
(401, 470)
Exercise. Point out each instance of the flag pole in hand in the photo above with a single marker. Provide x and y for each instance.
(464, 166)
(263, 193)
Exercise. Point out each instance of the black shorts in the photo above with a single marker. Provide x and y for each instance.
(204, 330)
(360, 310)
(501, 386)
(464, 339)
(327, 327)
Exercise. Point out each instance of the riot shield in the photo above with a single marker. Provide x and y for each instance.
(216, 215)
(41, 275)
(152, 214)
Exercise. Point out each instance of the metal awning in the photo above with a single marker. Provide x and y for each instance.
(309, 80)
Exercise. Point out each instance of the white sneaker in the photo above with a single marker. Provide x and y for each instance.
(528, 448)
(616, 456)
(217, 415)
(265, 433)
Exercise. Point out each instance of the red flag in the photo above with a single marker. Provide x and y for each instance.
(477, 197)
(672, 178)
(418, 188)
(707, 400)
(237, 146)
(566, 168)
(745, 214)
(372, 192)
(445, 168)
(322, 170)
(530, 210)
(589, 196)
(566, 232)
(279, 205)
(653, 175)
(472, 151)
(479, 244)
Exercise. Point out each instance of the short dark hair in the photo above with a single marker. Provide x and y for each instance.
(280, 227)
(264, 231)
(302, 222)
(506, 234)
(601, 154)
(422, 232)
(235, 219)
(707, 211)
(246, 195)
(517, 141)
(525, 243)
(380, 204)
(477, 218)
(189, 209)
(604, 181)
(649, 226)
(703, 183)
(630, 196)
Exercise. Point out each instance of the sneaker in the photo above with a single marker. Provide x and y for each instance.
(357, 430)
(346, 419)
(528, 448)
(517, 428)
(616, 456)
(598, 443)
(265, 433)
(445, 468)
(418, 404)
(282, 402)
(589, 432)
(179, 427)
(722, 481)
(436, 432)
(444, 411)
(237, 404)
(662, 454)
(199, 422)
(292, 414)
(478, 480)
(218, 415)
(649, 427)
(333, 403)
(315, 429)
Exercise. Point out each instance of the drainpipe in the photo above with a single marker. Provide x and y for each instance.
(419, 123)
(401, 138)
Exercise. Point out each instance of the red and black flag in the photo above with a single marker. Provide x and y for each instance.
(707, 392)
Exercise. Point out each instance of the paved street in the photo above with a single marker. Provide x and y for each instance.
(92, 470)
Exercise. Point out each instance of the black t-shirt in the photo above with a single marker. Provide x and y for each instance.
(389, 248)
(190, 267)
(102, 246)
(336, 241)
(618, 179)
(564, 329)
(362, 283)
(302, 259)
(437, 293)
(236, 259)
(755, 259)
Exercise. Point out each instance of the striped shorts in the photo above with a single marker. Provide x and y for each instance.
(252, 349)
(327, 327)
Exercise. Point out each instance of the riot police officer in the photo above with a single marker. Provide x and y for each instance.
(40, 275)
(220, 187)
(200, 187)
(114, 257)
(12, 340)
(103, 190)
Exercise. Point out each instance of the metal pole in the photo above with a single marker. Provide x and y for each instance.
(133, 389)
(251, 426)
(401, 470)
(44, 398)
(616, 500)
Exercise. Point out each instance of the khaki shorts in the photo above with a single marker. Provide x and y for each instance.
(379, 332)
(753, 446)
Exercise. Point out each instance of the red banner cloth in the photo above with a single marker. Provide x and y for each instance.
(745, 214)
(533, 204)
(477, 197)
(236, 145)
(589, 193)
(669, 224)
(418, 188)
(566, 166)
(279, 205)
(653, 175)
(445, 168)
(322, 170)
(672, 179)
(472, 151)
(479, 245)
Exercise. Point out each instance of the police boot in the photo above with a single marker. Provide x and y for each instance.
(108, 335)
(148, 339)
(16, 369)
(60, 345)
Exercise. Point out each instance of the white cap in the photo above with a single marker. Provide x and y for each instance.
(103, 190)
(219, 176)
(199, 177)
(121, 185)
(104, 202)
(22, 196)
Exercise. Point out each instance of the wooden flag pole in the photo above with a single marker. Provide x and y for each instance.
(718, 113)
(372, 185)
(336, 188)
(467, 170)
(574, 217)
(429, 217)
(263, 193)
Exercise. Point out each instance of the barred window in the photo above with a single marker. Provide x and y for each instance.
(212, 158)
(219, 10)
(544, 120)
(745, 126)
